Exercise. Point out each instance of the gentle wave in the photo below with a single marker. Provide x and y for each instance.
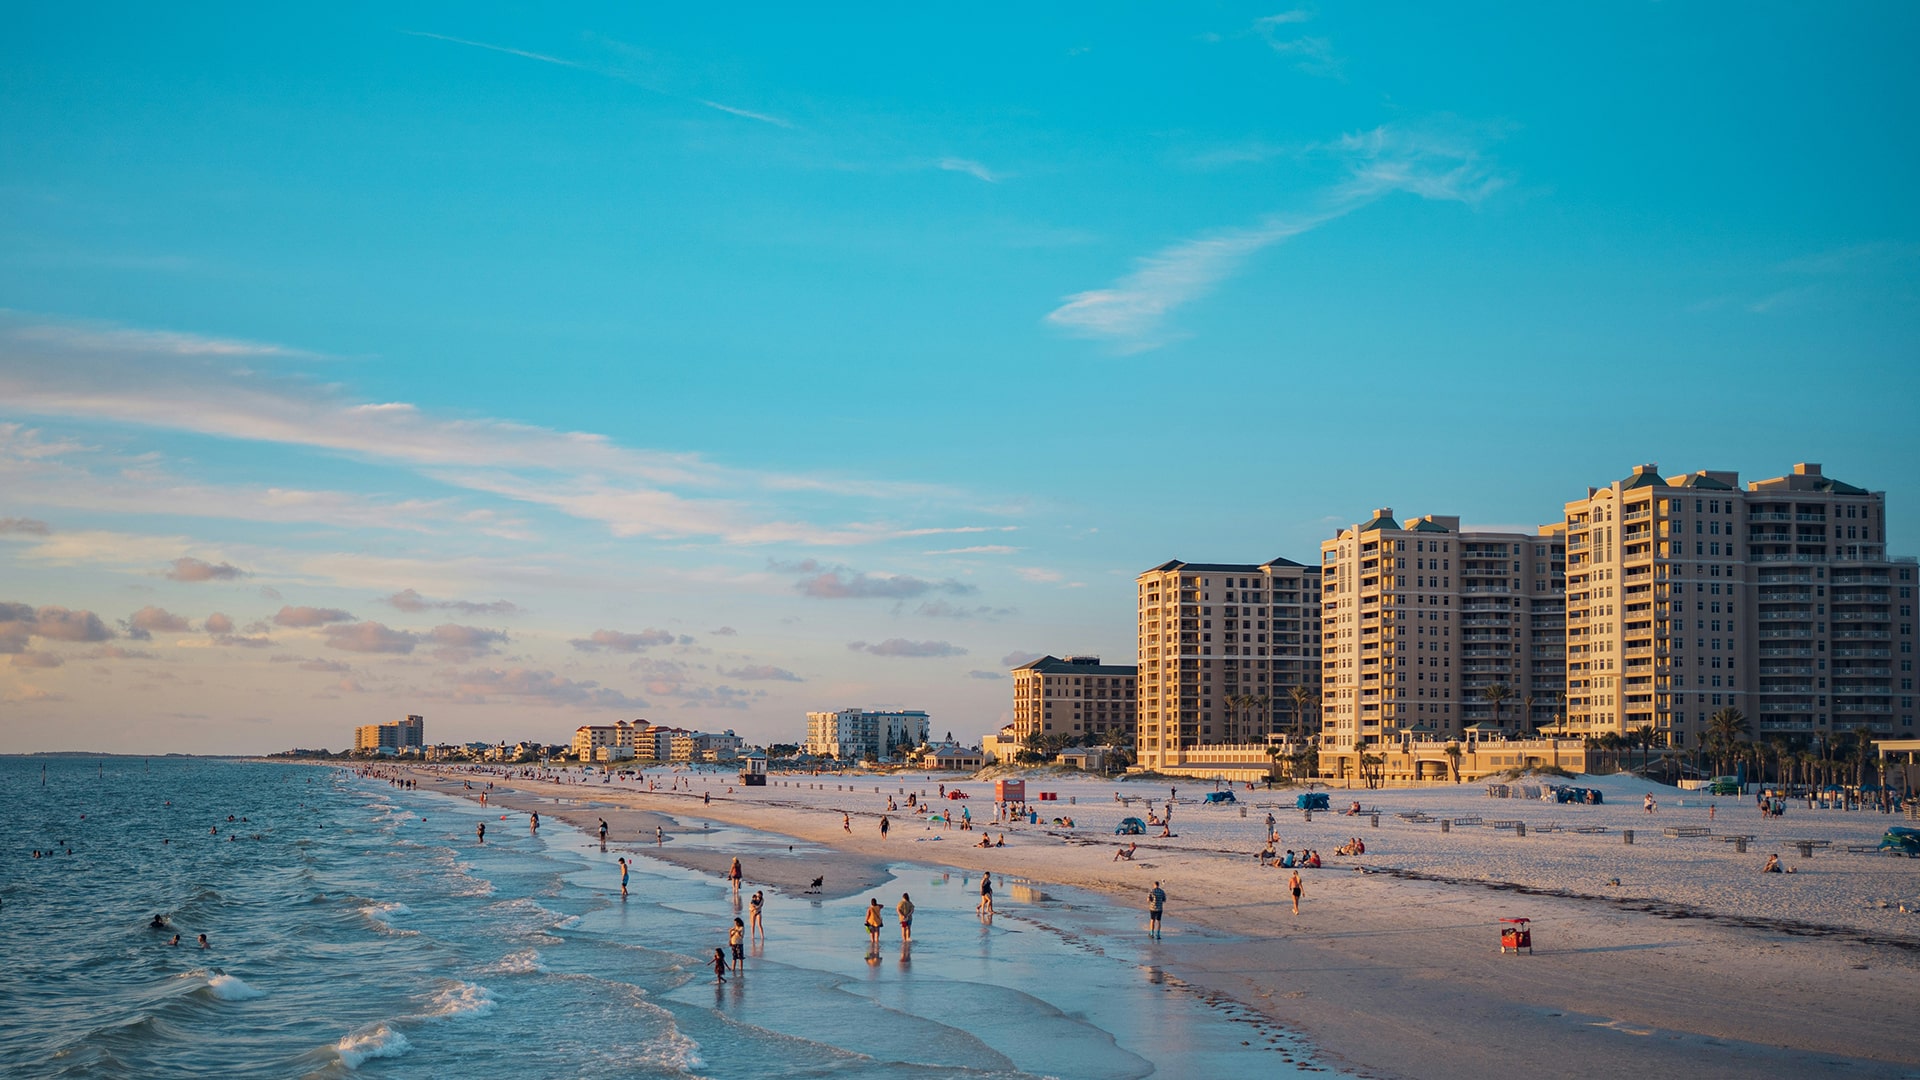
(380, 1040)
(232, 988)
(461, 999)
(381, 915)
(523, 962)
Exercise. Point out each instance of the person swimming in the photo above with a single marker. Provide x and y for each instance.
(159, 922)
(203, 942)
(175, 942)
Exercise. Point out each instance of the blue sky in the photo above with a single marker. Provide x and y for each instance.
(714, 366)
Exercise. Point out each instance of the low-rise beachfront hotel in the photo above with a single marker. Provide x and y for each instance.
(1653, 603)
(393, 736)
(862, 734)
(1078, 697)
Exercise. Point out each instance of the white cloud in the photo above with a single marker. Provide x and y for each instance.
(971, 168)
(1433, 164)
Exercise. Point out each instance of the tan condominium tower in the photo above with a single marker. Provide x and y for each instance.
(1079, 698)
(1221, 645)
(1689, 594)
(1418, 622)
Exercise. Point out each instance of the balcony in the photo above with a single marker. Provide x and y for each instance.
(1854, 635)
(1876, 707)
(1770, 516)
(1783, 651)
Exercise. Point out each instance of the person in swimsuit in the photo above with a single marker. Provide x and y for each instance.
(737, 938)
(985, 906)
(734, 874)
(623, 878)
(603, 832)
(1293, 886)
(719, 966)
(1156, 904)
(753, 915)
(884, 826)
(873, 924)
(175, 942)
(905, 911)
(659, 835)
(203, 942)
(480, 830)
(534, 822)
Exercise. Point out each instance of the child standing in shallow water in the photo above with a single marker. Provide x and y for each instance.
(719, 966)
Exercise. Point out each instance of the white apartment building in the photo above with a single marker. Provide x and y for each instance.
(1418, 622)
(1220, 646)
(857, 734)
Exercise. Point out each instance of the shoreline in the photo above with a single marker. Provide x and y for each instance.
(1384, 972)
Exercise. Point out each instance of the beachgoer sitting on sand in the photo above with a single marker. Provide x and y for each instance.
(1002, 842)
(1266, 855)
(1353, 810)
(1773, 865)
(985, 841)
(1313, 860)
(1125, 854)
(1287, 862)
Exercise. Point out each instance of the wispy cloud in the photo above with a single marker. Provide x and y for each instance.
(1429, 163)
(188, 568)
(190, 384)
(1311, 54)
(901, 647)
(977, 549)
(605, 72)
(747, 113)
(971, 168)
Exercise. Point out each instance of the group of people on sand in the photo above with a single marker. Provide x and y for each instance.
(1307, 859)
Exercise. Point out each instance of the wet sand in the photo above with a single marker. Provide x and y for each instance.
(1400, 977)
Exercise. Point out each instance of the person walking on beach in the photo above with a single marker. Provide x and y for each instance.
(623, 878)
(1293, 886)
(659, 835)
(905, 911)
(1649, 802)
(737, 939)
(755, 928)
(985, 906)
(1156, 905)
(734, 874)
(846, 823)
(884, 826)
(873, 924)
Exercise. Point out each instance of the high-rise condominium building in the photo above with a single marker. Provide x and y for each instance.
(1221, 644)
(1078, 697)
(1418, 622)
(1686, 595)
(857, 734)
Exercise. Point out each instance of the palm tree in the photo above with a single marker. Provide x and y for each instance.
(1497, 695)
(1453, 759)
(1275, 751)
(1863, 746)
(1526, 704)
(1301, 698)
(1725, 729)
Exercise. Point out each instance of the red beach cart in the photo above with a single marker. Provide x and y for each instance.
(1516, 936)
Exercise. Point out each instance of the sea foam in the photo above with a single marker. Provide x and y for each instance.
(524, 962)
(377, 1041)
(232, 988)
(460, 999)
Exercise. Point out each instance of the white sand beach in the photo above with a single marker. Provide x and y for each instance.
(1693, 962)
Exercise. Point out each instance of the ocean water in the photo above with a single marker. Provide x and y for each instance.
(360, 930)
